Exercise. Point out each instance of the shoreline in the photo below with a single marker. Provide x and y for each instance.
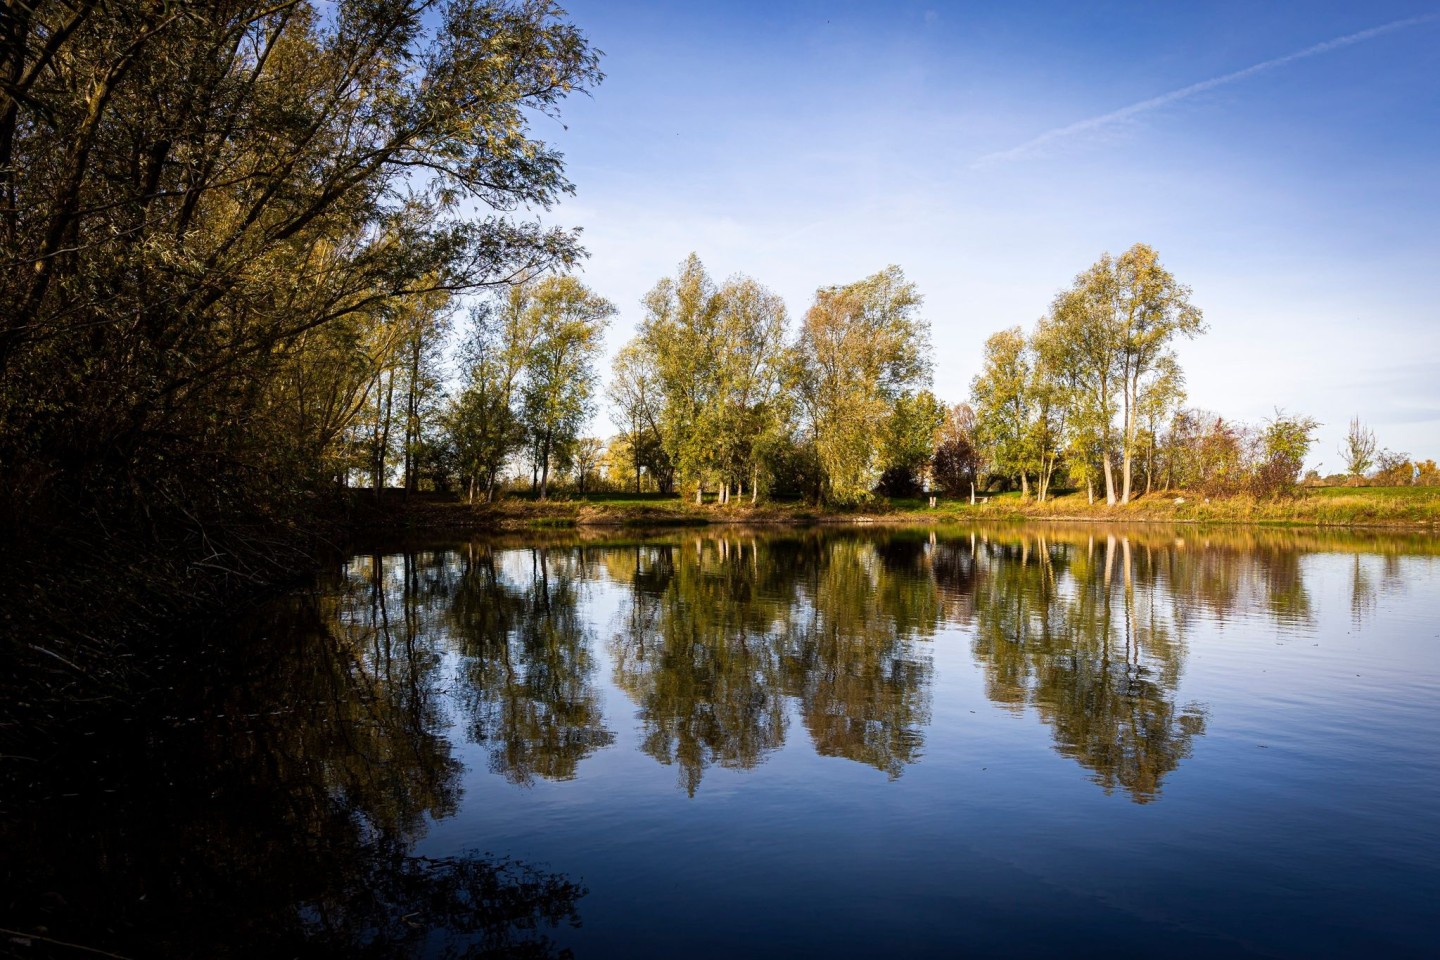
(1357, 508)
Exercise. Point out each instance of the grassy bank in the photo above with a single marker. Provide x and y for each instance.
(1402, 507)
(1327, 506)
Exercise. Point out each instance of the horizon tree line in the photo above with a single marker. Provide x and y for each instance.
(716, 396)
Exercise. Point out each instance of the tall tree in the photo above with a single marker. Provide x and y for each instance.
(1112, 338)
(1150, 311)
(484, 420)
(426, 325)
(753, 401)
(681, 332)
(861, 347)
(560, 369)
(637, 405)
(188, 196)
(1075, 342)
(715, 359)
(1001, 394)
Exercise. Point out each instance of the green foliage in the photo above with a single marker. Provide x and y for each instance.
(1284, 444)
(681, 336)
(484, 421)
(530, 379)
(909, 442)
(560, 375)
(861, 348)
(217, 223)
(1003, 404)
(637, 401)
(705, 378)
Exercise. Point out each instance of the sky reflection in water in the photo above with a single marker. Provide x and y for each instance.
(850, 740)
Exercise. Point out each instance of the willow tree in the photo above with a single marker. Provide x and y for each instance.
(190, 194)
(861, 347)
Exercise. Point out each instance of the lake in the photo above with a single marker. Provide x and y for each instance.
(851, 742)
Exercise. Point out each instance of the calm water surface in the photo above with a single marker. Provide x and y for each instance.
(1001, 741)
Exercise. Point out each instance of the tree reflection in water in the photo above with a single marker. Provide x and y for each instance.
(1081, 633)
(724, 639)
(263, 793)
(528, 669)
(696, 650)
(263, 799)
(719, 632)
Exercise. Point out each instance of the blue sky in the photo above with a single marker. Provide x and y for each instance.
(995, 150)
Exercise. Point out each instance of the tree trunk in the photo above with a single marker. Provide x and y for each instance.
(382, 435)
(412, 417)
(1125, 462)
(1127, 435)
(1109, 479)
(545, 466)
(1024, 486)
(1090, 490)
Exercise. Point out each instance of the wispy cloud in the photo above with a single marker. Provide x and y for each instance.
(1165, 99)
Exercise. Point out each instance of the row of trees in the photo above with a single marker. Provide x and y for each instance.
(716, 394)
(1097, 386)
(530, 381)
(713, 393)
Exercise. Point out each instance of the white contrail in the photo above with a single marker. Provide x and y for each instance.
(1165, 99)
